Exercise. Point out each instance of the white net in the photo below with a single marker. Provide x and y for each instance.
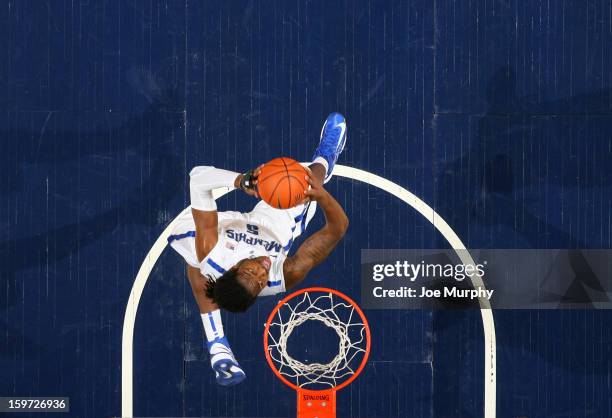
(333, 312)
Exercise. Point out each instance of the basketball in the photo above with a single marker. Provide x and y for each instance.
(281, 183)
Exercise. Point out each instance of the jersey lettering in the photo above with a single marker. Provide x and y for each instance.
(243, 237)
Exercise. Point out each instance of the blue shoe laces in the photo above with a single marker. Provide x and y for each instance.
(326, 142)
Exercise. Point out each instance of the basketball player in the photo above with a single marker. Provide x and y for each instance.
(234, 257)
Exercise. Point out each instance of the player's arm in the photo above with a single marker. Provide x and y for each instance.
(202, 181)
(198, 286)
(320, 244)
(204, 209)
(206, 231)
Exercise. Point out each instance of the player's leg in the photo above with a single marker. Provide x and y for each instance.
(331, 143)
(227, 370)
(318, 170)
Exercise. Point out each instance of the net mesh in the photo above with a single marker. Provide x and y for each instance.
(333, 312)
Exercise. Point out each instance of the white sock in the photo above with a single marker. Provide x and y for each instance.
(213, 327)
(218, 346)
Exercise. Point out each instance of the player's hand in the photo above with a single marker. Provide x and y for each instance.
(316, 191)
(248, 181)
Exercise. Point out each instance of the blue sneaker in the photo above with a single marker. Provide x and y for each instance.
(333, 139)
(227, 370)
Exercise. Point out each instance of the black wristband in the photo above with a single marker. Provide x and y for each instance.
(247, 181)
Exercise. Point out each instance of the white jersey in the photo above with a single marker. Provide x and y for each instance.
(263, 232)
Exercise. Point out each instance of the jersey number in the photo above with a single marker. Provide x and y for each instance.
(252, 229)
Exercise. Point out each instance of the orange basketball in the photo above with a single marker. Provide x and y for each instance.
(281, 183)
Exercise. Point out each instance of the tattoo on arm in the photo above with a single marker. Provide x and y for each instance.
(311, 253)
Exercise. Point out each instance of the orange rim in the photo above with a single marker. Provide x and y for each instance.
(323, 290)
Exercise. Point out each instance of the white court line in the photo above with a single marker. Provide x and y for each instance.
(342, 171)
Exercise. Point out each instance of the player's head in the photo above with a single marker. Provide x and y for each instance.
(238, 288)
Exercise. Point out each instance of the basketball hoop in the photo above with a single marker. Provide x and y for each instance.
(317, 383)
